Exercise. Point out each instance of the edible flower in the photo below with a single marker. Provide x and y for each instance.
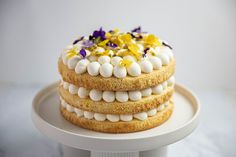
(77, 40)
(167, 45)
(82, 52)
(152, 40)
(99, 34)
(134, 50)
(137, 30)
(125, 63)
(145, 51)
(72, 52)
(112, 45)
(103, 43)
(87, 44)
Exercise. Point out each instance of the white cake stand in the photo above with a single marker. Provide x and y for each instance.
(81, 142)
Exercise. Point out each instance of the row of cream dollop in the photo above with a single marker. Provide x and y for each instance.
(108, 66)
(112, 117)
(111, 96)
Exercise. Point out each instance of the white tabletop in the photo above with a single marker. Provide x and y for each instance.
(215, 136)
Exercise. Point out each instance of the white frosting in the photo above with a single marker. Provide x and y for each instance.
(113, 117)
(104, 59)
(115, 60)
(95, 95)
(73, 89)
(120, 72)
(161, 107)
(106, 70)
(140, 46)
(146, 92)
(164, 58)
(65, 85)
(81, 66)
(93, 68)
(156, 62)
(79, 112)
(108, 96)
(164, 85)
(141, 116)
(99, 49)
(134, 69)
(122, 96)
(135, 95)
(88, 115)
(171, 81)
(92, 58)
(126, 118)
(152, 112)
(83, 92)
(99, 116)
(69, 108)
(157, 89)
(72, 62)
(168, 51)
(146, 66)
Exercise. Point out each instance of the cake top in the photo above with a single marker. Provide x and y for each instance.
(133, 52)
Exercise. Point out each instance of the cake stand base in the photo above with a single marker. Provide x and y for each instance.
(79, 142)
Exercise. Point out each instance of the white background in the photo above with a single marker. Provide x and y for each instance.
(203, 34)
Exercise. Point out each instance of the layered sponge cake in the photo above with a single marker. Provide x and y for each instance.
(117, 82)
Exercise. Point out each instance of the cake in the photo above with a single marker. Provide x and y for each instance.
(117, 82)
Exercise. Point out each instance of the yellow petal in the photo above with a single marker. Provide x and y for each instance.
(103, 43)
(72, 52)
(125, 63)
(126, 38)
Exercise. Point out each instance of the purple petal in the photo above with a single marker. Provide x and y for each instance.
(145, 50)
(110, 44)
(137, 30)
(77, 40)
(87, 43)
(82, 53)
(167, 45)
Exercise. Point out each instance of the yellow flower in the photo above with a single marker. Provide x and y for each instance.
(152, 40)
(126, 38)
(103, 43)
(125, 63)
(72, 52)
(122, 52)
(134, 51)
(104, 53)
(108, 35)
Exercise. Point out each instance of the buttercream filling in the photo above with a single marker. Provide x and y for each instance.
(111, 96)
(112, 117)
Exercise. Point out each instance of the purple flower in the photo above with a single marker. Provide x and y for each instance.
(87, 43)
(110, 44)
(82, 52)
(99, 34)
(167, 45)
(77, 40)
(145, 51)
(137, 30)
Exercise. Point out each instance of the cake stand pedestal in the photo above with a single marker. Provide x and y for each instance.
(79, 142)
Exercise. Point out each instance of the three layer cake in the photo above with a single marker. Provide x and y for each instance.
(117, 82)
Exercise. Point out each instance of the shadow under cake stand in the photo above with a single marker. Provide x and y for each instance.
(79, 142)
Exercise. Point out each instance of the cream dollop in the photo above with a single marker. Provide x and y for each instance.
(104, 59)
(171, 81)
(69, 108)
(156, 62)
(93, 68)
(73, 89)
(66, 85)
(164, 85)
(134, 69)
(79, 112)
(122, 96)
(81, 66)
(108, 96)
(72, 62)
(146, 66)
(92, 58)
(106, 70)
(131, 58)
(157, 89)
(164, 58)
(146, 92)
(63, 103)
(126, 118)
(141, 115)
(99, 116)
(95, 95)
(135, 95)
(83, 92)
(161, 107)
(152, 112)
(115, 60)
(88, 115)
(168, 51)
(120, 72)
(113, 118)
